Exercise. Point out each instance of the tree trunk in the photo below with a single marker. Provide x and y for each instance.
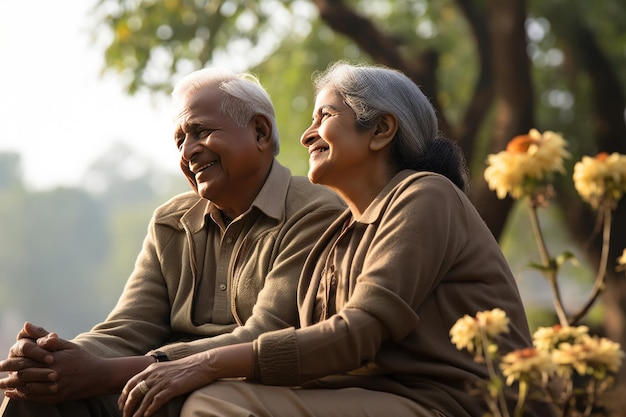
(513, 96)
(609, 131)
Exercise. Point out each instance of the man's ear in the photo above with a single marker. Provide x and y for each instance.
(384, 132)
(263, 128)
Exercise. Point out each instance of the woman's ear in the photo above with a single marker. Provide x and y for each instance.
(384, 132)
(263, 128)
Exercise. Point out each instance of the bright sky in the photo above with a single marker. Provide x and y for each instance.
(55, 108)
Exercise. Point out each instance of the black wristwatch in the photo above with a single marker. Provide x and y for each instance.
(160, 356)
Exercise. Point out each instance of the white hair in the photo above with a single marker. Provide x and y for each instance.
(244, 97)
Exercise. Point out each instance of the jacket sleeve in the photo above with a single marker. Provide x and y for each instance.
(140, 320)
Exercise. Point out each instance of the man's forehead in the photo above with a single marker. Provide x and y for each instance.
(200, 105)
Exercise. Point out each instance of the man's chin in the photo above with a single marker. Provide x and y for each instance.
(192, 182)
(203, 191)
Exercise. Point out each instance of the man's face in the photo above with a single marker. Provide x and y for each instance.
(223, 162)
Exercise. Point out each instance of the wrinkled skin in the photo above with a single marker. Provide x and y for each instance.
(165, 380)
(47, 369)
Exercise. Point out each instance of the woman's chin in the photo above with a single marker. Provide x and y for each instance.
(315, 177)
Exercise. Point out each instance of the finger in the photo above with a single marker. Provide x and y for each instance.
(49, 342)
(27, 348)
(8, 382)
(42, 376)
(37, 375)
(153, 401)
(133, 401)
(19, 364)
(16, 394)
(130, 385)
(30, 331)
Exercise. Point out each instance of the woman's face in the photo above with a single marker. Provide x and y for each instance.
(338, 149)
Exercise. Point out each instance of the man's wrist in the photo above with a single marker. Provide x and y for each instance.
(160, 356)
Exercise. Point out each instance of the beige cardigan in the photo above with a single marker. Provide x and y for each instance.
(418, 259)
(155, 309)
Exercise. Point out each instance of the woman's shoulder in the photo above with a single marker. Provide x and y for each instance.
(409, 180)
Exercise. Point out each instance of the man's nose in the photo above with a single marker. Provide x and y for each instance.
(189, 148)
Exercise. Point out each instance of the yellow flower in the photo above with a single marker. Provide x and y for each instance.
(464, 332)
(621, 262)
(527, 161)
(527, 364)
(601, 178)
(467, 331)
(493, 322)
(588, 356)
(548, 338)
(605, 352)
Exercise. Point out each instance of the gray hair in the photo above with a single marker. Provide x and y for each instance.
(244, 97)
(372, 91)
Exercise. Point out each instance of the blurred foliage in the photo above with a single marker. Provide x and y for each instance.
(152, 43)
(66, 253)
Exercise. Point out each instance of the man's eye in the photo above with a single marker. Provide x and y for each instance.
(179, 142)
(203, 133)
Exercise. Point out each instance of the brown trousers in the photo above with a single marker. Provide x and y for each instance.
(245, 399)
(105, 406)
(242, 399)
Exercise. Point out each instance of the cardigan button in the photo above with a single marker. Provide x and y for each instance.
(223, 287)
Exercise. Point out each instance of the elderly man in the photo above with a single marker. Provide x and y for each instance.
(219, 265)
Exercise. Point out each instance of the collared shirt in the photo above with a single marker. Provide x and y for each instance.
(165, 298)
(212, 300)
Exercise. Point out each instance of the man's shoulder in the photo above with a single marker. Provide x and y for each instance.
(302, 192)
(176, 206)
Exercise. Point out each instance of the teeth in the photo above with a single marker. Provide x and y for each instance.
(205, 167)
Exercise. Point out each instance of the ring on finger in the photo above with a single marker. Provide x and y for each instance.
(143, 387)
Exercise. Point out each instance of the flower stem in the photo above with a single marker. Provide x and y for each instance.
(521, 399)
(549, 266)
(598, 285)
(501, 401)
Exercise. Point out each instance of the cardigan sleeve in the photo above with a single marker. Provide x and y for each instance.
(419, 238)
(140, 320)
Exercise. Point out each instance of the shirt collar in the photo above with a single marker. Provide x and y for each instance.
(270, 200)
(376, 208)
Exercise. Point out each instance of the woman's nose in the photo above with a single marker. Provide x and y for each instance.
(307, 137)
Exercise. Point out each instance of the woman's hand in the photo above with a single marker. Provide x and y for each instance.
(152, 388)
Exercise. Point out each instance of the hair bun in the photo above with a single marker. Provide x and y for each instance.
(444, 157)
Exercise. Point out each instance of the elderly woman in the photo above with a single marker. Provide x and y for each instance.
(381, 288)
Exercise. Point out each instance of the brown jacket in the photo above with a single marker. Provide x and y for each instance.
(155, 311)
(418, 259)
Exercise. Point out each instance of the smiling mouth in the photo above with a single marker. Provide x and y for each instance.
(204, 167)
(318, 150)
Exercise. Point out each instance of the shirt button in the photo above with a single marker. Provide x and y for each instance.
(229, 240)
(223, 287)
